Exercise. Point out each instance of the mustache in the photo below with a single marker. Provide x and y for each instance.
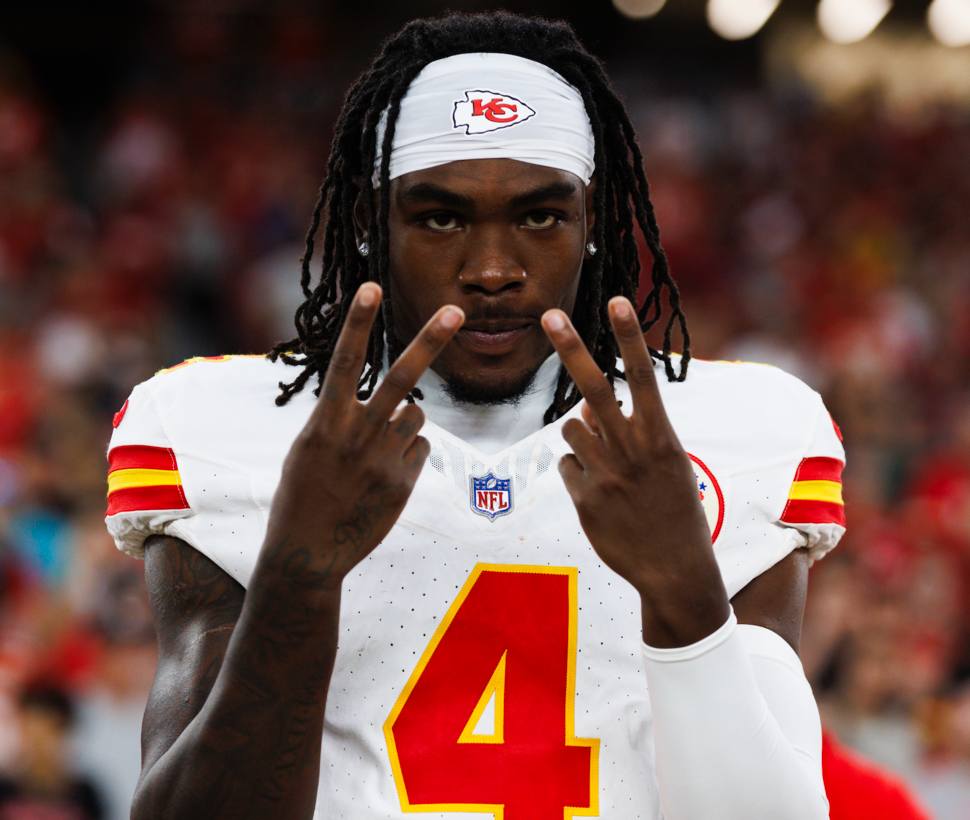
(501, 313)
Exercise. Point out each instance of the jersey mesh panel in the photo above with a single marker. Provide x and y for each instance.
(522, 459)
(545, 459)
(457, 465)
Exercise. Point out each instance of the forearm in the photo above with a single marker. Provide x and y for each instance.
(253, 750)
(724, 747)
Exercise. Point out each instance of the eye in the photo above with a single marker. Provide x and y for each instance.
(441, 222)
(540, 219)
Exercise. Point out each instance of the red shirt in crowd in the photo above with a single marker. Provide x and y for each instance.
(859, 790)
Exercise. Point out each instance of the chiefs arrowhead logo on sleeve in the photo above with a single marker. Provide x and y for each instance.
(484, 111)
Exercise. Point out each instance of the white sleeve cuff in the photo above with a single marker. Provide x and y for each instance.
(737, 735)
(694, 650)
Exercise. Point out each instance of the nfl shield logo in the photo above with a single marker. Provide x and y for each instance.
(491, 496)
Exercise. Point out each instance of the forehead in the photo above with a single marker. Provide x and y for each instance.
(487, 179)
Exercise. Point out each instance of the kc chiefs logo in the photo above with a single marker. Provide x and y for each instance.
(484, 111)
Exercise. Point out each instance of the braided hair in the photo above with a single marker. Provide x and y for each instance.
(620, 199)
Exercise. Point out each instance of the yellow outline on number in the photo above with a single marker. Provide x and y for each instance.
(496, 686)
(571, 740)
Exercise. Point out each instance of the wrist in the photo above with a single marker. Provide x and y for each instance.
(302, 567)
(681, 610)
(296, 621)
(693, 650)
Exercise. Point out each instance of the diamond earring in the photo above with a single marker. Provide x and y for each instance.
(364, 248)
(591, 249)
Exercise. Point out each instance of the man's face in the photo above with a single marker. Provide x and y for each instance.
(503, 240)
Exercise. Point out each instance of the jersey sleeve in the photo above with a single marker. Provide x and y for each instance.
(145, 492)
(780, 470)
(814, 507)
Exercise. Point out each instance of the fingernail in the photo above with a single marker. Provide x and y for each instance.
(555, 321)
(621, 308)
(367, 296)
(452, 318)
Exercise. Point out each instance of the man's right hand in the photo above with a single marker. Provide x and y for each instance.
(233, 726)
(351, 470)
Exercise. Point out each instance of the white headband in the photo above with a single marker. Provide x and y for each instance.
(489, 106)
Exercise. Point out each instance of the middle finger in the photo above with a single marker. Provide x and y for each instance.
(585, 372)
(418, 356)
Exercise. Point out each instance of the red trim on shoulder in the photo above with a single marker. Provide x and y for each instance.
(819, 468)
(799, 511)
(838, 432)
(120, 414)
(133, 499)
(141, 457)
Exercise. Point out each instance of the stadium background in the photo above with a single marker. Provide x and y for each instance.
(158, 163)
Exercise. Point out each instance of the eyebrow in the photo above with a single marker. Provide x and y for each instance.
(426, 192)
(556, 190)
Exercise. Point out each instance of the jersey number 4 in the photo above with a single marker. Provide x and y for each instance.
(485, 724)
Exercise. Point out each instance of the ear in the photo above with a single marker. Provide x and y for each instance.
(361, 228)
(590, 215)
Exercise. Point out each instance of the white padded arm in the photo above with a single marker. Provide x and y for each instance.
(736, 729)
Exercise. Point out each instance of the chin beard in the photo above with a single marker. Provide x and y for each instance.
(470, 392)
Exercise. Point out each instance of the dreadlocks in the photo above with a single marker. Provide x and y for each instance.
(621, 197)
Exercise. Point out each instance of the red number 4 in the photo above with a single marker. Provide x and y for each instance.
(485, 724)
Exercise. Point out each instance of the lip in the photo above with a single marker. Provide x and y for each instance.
(493, 338)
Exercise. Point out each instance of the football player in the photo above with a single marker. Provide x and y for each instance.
(466, 544)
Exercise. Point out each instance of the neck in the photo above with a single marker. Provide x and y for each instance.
(495, 427)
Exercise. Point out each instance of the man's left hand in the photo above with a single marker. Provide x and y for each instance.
(635, 490)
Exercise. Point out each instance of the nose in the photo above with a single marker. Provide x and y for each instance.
(490, 264)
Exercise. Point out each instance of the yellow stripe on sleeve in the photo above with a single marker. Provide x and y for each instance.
(127, 479)
(816, 491)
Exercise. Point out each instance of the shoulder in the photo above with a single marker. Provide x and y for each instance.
(206, 397)
(761, 408)
(188, 439)
(750, 381)
(211, 376)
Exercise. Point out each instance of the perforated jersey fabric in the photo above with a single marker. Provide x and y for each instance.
(444, 625)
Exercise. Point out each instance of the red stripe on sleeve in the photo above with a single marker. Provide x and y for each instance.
(147, 498)
(819, 469)
(813, 512)
(141, 457)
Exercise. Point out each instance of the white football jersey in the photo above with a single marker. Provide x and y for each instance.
(488, 661)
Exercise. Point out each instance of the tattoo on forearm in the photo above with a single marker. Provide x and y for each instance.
(260, 743)
(296, 567)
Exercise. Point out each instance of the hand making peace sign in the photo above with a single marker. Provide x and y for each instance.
(634, 487)
(351, 469)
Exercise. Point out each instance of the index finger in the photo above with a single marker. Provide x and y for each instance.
(585, 372)
(347, 361)
(416, 358)
(637, 364)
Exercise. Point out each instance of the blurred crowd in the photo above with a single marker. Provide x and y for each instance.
(831, 243)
